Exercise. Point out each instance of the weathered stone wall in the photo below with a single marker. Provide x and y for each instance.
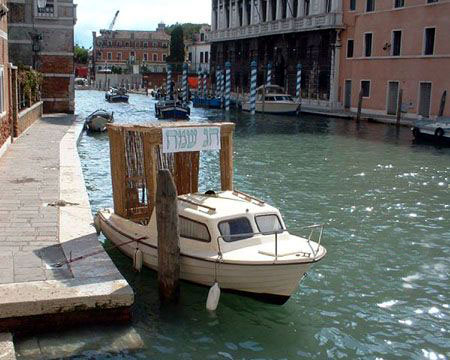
(28, 116)
(5, 120)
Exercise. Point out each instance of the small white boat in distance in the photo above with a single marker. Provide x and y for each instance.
(439, 129)
(241, 241)
(272, 99)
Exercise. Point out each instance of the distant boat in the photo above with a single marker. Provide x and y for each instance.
(171, 109)
(115, 95)
(272, 99)
(439, 129)
(98, 120)
(211, 103)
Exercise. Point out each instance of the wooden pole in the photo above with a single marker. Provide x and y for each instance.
(399, 106)
(168, 238)
(358, 115)
(442, 105)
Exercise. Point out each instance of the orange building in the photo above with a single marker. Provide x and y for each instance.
(388, 45)
(127, 50)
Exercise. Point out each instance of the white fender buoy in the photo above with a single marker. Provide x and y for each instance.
(137, 260)
(213, 297)
(97, 225)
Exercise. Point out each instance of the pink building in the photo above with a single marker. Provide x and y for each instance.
(388, 45)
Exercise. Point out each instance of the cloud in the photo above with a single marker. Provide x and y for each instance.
(94, 15)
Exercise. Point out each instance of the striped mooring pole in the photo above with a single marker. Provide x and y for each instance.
(200, 83)
(185, 83)
(227, 85)
(205, 85)
(169, 81)
(253, 83)
(298, 88)
(217, 82)
(269, 74)
(222, 88)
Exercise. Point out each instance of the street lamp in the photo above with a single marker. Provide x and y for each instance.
(41, 4)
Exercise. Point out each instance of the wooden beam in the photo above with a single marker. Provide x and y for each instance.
(226, 162)
(118, 170)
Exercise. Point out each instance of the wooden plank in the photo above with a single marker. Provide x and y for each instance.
(150, 172)
(399, 106)
(168, 238)
(226, 162)
(360, 100)
(118, 170)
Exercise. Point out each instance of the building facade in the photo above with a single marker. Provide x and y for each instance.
(390, 45)
(5, 115)
(284, 33)
(131, 51)
(43, 38)
(198, 50)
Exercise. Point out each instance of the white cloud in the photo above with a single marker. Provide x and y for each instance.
(94, 15)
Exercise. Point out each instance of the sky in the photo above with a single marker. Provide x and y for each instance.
(94, 15)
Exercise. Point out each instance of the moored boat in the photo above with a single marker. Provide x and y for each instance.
(272, 99)
(172, 109)
(438, 129)
(98, 120)
(117, 95)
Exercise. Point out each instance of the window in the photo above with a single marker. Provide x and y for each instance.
(352, 5)
(306, 8)
(2, 91)
(132, 54)
(201, 57)
(399, 3)
(432, 1)
(109, 56)
(190, 57)
(368, 44)
(429, 41)
(119, 56)
(365, 87)
(155, 57)
(164, 57)
(350, 48)
(48, 10)
(396, 42)
(202, 37)
(370, 5)
(194, 230)
(235, 229)
(268, 224)
(327, 6)
(206, 57)
(145, 44)
(145, 57)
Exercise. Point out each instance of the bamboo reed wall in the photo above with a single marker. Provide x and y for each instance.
(136, 157)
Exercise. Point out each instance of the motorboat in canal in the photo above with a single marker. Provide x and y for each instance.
(438, 129)
(98, 120)
(226, 237)
(115, 95)
(272, 99)
(172, 109)
(210, 102)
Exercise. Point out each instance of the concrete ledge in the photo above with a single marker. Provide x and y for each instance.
(5, 146)
(28, 116)
(6, 347)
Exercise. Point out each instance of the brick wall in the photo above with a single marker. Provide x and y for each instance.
(28, 116)
(5, 120)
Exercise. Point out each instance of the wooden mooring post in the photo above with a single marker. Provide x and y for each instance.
(358, 115)
(168, 238)
(442, 104)
(399, 107)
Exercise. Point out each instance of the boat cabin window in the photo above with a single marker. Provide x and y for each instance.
(268, 224)
(194, 230)
(270, 98)
(235, 229)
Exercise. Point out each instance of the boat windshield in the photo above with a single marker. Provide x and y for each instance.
(268, 224)
(235, 229)
(284, 98)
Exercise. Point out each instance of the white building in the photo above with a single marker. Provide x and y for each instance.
(199, 50)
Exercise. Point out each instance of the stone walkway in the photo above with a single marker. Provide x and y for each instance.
(29, 180)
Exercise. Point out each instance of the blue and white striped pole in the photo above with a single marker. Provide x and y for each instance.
(253, 84)
(227, 85)
(222, 88)
(200, 83)
(269, 74)
(169, 81)
(217, 82)
(205, 85)
(298, 88)
(185, 83)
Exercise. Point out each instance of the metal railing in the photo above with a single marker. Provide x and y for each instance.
(313, 228)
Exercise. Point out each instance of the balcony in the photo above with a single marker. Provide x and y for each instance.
(283, 26)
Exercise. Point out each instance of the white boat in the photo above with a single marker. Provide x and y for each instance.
(229, 237)
(440, 128)
(272, 99)
(98, 120)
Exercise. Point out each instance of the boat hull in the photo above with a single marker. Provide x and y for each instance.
(117, 98)
(97, 124)
(268, 282)
(274, 108)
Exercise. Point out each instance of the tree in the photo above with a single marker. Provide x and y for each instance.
(81, 55)
(176, 45)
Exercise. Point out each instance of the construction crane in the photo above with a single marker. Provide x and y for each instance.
(114, 20)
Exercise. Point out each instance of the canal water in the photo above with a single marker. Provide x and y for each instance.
(383, 290)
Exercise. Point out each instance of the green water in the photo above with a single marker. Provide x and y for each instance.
(382, 291)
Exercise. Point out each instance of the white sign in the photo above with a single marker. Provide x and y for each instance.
(186, 139)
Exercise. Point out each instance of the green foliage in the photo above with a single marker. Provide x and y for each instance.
(176, 45)
(30, 82)
(189, 29)
(81, 55)
(116, 70)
